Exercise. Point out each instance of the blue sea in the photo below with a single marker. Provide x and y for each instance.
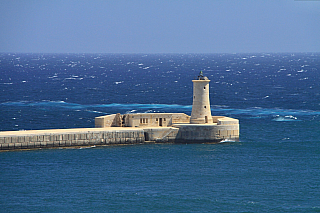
(274, 168)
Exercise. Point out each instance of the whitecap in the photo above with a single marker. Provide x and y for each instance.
(227, 140)
(285, 118)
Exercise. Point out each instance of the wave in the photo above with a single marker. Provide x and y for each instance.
(285, 118)
(64, 104)
(254, 112)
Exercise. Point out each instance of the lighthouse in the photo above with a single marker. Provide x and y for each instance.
(201, 112)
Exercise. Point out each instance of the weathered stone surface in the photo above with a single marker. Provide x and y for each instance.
(4, 146)
(11, 145)
(7, 139)
(17, 145)
(24, 145)
(40, 138)
(43, 144)
(49, 144)
(62, 143)
(46, 138)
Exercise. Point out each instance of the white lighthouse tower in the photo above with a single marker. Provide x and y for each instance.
(201, 112)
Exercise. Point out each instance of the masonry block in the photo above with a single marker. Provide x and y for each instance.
(10, 145)
(71, 136)
(40, 138)
(75, 143)
(31, 145)
(14, 139)
(65, 137)
(17, 145)
(83, 136)
(43, 144)
(24, 145)
(76, 136)
(110, 135)
(49, 143)
(58, 137)
(7, 139)
(117, 140)
(4, 146)
(46, 138)
(112, 140)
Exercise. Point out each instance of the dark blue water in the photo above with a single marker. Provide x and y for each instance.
(274, 168)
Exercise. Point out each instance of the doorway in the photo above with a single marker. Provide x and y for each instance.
(160, 121)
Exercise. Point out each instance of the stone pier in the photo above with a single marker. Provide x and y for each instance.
(33, 139)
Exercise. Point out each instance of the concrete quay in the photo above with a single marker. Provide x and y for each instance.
(34, 139)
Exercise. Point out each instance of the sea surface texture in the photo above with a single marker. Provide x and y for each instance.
(274, 168)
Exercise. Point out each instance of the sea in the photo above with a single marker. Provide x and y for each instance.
(275, 167)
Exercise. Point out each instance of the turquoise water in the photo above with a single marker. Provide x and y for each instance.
(274, 167)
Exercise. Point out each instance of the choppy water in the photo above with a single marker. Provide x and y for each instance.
(274, 168)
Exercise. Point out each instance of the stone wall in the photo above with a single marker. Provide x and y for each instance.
(69, 137)
(141, 120)
(104, 121)
(164, 134)
(206, 133)
(181, 132)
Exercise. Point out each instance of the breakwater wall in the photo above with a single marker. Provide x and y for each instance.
(33, 139)
(224, 128)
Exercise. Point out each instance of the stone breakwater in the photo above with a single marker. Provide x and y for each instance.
(34, 139)
(226, 128)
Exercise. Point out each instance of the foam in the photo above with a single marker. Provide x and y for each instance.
(256, 112)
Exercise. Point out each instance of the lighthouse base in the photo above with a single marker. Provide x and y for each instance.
(206, 133)
(205, 120)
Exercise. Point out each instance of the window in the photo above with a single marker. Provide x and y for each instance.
(146, 120)
(141, 120)
(204, 87)
(157, 119)
(164, 119)
(205, 106)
